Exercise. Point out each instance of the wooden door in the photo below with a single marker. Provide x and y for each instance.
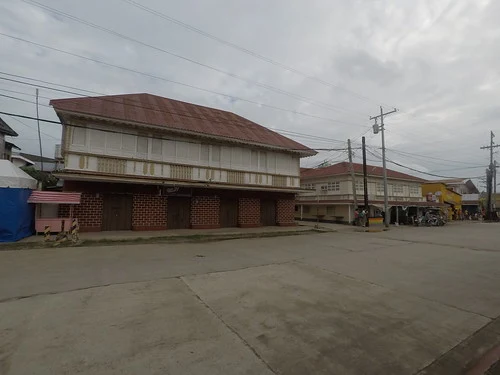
(117, 212)
(228, 216)
(178, 212)
(267, 212)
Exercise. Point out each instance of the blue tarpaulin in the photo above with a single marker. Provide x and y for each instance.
(17, 216)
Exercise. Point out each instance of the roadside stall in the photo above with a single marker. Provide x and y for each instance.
(47, 213)
(16, 215)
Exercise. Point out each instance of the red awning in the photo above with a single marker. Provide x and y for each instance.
(54, 197)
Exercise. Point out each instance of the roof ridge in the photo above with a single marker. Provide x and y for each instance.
(172, 111)
(180, 115)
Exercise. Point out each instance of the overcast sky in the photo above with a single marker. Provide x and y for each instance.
(436, 61)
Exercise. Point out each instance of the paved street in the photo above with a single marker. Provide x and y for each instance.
(407, 301)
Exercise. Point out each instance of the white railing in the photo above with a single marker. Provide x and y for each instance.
(122, 167)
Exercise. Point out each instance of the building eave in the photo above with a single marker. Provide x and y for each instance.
(416, 180)
(78, 176)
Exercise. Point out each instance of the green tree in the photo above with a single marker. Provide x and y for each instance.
(46, 178)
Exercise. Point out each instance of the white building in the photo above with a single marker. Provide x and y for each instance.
(330, 196)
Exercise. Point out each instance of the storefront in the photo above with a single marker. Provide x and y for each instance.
(439, 193)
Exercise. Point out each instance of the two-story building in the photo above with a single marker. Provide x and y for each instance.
(467, 189)
(5, 146)
(145, 162)
(330, 194)
(440, 192)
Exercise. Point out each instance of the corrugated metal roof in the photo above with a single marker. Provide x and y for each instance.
(169, 113)
(343, 169)
(54, 197)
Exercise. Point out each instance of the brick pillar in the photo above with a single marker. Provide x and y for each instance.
(205, 212)
(89, 212)
(249, 212)
(149, 212)
(285, 212)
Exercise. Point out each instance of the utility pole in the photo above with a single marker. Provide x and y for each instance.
(494, 200)
(351, 167)
(495, 183)
(491, 175)
(365, 183)
(488, 192)
(376, 129)
(39, 135)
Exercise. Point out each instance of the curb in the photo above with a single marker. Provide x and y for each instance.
(476, 355)
(367, 230)
(193, 238)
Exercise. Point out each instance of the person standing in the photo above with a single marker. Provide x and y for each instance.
(362, 217)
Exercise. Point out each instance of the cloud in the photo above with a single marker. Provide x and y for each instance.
(436, 61)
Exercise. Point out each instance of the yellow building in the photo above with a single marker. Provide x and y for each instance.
(438, 192)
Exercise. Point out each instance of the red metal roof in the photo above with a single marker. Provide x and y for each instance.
(372, 202)
(343, 168)
(54, 197)
(174, 114)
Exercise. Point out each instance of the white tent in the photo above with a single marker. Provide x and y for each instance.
(14, 177)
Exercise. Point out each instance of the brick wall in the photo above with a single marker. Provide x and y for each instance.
(205, 212)
(248, 212)
(63, 210)
(285, 210)
(88, 212)
(149, 212)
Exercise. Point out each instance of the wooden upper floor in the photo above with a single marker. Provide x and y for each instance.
(93, 148)
(335, 183)
(144, 136)
(340, 187)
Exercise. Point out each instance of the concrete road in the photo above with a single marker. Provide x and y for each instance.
(407, 301)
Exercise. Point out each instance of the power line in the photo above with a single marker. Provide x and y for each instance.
(414, 169)
(24, 93)
(283, 131)
(345, 151)
(159, 49)
(107, 99)
(177, 83)
(22, 100)
(404, 153)
(245, 50)
(457, 169)
(163, 138)
(31, 118)
(22, 123)
(361, 135)
(420, 156)
(48, 83)
(309, 135)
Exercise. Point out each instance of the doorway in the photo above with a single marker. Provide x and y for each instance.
(268, 212)
(178, 212)
(117, 212)
(228, 216)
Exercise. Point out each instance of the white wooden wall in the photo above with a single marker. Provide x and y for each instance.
(406, 189)
(180, 151)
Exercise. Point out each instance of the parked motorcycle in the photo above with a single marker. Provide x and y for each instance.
(430, 220)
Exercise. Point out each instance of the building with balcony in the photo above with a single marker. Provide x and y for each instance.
(145, 162)
(329, 195)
